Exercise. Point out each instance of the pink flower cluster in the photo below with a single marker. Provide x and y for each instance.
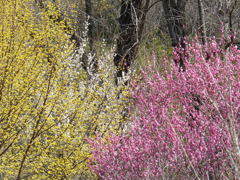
(185, 124)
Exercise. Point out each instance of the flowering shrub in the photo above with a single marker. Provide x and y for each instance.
(47, 104)
(185, 124)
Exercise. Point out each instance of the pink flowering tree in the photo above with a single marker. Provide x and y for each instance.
(185, 124)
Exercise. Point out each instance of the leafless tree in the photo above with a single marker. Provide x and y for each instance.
(202, 21)
(174, 14)
(131, 21)
(90, 65)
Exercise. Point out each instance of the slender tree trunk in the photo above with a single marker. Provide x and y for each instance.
(90, 65)
(89, 13)
(174, 14)
(230, 20)
(230, 14)
(131, 20)
(202, 21)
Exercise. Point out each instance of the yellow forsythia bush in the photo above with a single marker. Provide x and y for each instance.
(47, 105)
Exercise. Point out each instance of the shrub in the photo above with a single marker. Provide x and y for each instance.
(47, 105)
(185, 124)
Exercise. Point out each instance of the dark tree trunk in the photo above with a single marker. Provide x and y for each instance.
(202, 21)
(231, 11)
(90, 66)
(131, 21)
(174, 14)
(89, 13)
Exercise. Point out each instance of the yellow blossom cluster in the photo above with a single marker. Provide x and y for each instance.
(48, 108)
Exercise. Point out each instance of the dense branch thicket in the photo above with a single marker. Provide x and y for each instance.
(65, 72)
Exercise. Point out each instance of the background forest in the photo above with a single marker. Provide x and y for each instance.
(119, 89)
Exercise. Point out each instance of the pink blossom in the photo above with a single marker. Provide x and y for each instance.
(184, 123)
